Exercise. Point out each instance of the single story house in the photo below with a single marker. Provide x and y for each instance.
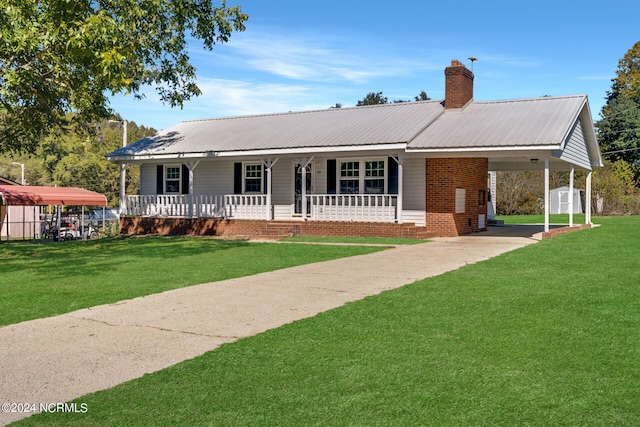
(415, 169)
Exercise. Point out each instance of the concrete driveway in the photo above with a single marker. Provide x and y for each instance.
(64, 357)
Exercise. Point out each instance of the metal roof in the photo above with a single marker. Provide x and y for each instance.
(35, 195)
(534, 122)
(357, 126)
(504, 128)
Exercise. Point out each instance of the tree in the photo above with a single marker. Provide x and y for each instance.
(58, 57)
(619, 132)
(422, 96)
(619, 126)
(614, 189)
(77, 158)
(373, 98)
(627, 81)
(519, 193)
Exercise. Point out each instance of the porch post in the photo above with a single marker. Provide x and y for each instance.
(571, 196)
(400, 161)
(587, 208)
(123, 205)
(268, 166)
(303, 192)
(191, 166)
(546, 194)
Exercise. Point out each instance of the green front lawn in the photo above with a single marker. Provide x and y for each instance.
(546, 335)
(539, 219)
(354, 240)
(45, 279)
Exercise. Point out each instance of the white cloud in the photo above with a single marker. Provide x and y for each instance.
(306, 58)
(233, 97)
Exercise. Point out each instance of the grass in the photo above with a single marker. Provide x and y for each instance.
(545, 335)
(42, 280)
(539, 219)
(354, 240)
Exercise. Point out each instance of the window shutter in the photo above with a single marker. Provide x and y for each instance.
(392, 184)
(237, 178)
(160, 179)
(331, 176)
(185, 179)
(264, 179)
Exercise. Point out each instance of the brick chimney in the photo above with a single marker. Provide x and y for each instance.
(458, 85)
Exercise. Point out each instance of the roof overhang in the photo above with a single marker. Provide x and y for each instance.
(261, 153)
(40, 196)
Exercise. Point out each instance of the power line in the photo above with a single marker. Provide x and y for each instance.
(621, 151)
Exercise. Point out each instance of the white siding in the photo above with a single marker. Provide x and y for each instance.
(414, 197)
(575, 150)
(419, 218)
(281, 185)
(148, 179)
(213, 177)
(320, 176)
(283, 212)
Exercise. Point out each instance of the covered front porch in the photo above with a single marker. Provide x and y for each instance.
(345, 188)
(313, 207)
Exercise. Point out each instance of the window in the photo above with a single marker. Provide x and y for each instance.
(253, 178)
(371, 181)
(374, 177)
(172, 179)
(349, 177)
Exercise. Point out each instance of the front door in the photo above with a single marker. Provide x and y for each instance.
(298, 187)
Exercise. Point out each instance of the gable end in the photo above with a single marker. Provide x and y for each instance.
(575, 148)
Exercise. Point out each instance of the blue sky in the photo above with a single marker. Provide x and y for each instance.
(300, 55)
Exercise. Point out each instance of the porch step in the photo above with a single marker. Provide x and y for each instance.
(497, 222)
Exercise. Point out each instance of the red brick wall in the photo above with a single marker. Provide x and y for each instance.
(266, 229)
(442, 178)
(458, 85)
(564, 230)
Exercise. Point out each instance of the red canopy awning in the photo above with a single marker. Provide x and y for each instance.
(34, 195)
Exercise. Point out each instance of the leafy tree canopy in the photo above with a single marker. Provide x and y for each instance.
(422, 96)
(627, 81)
(619, 132)
(619, 127)
(61, 56)
(75, 157)
(373, 98)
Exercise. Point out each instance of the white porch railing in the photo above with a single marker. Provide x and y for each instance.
(320, 207)
(353, 207)
(204, 206)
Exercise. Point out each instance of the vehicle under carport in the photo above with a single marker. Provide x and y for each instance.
(18, 195)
